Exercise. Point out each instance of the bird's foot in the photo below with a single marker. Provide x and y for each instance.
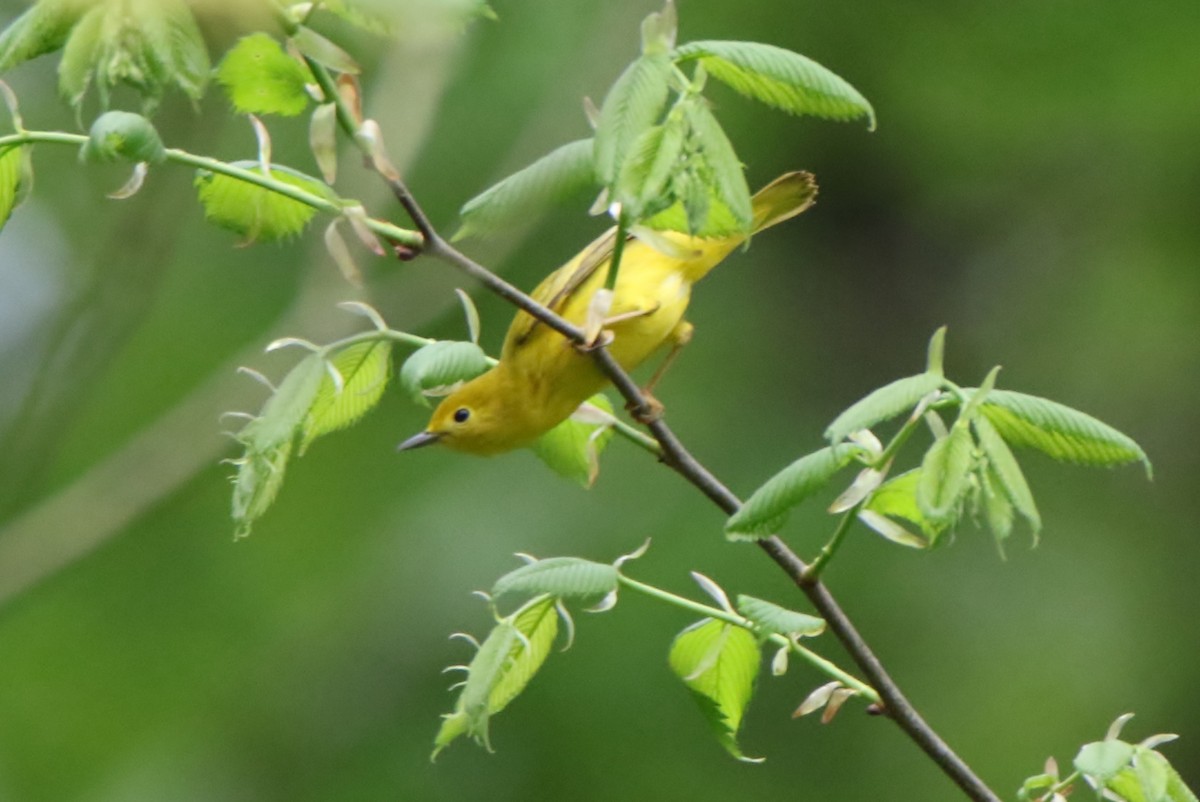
(649, 411)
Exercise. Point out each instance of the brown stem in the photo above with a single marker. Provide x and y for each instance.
(678, 458)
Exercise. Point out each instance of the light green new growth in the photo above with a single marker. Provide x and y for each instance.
(718, 662)
(363, 371)
(260, 78)
(255, 212)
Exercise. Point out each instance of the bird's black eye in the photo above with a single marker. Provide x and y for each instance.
(461, 414)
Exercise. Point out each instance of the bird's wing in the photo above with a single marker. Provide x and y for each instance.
(557, 289)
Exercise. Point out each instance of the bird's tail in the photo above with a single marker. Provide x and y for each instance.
(783, 199)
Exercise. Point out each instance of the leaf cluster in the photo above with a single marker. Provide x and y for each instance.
(1116, 770)
(659, 157)
(717, 658)
(967, 471)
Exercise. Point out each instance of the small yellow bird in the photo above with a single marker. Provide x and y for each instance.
(542, 377)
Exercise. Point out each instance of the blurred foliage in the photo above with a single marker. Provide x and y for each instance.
(1032, 184)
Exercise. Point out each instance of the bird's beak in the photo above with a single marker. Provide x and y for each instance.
(419, 440)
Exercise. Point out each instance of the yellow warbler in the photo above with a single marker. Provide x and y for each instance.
(542, 377)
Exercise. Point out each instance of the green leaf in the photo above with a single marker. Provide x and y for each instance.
(434, 367)
(260, 78)
(772, 618)
(659, 30)
(505, 663)
(122, 135)
(643, 185)
(323, 51)
(257, 213)
(1102, 760)
(633, 104)
(945, 475)
(519, 198)
(288, 407)
(722, 169)
(879, 405)
(259, 477)
(572, 448)
(43, 28)
(269, 440)
(780, 78)
(897, 498)
(1059, 431)
(148, 45)
(698, 211)
(568, 577)
(365, 369)
(935, 360)
(1006, 473)
(1177, 790)
(718, 662)
(997, 507)
(1033, 786)
(11, 181)
(766, 509)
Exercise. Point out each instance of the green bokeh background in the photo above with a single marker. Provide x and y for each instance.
(1033, 184)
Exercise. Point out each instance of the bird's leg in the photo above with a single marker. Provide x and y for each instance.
(652, 409)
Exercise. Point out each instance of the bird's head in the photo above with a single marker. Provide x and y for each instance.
(476, 419)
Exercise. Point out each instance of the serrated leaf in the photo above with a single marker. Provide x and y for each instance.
(43, 28)
(122, 135)
(698, 211)
(505, 663)
(945, 475)
(780, 78)
(10, 181)
(260, 78)
(1007, 472)
(643, 183)
(440, 365)
(997, 508)
(258, 214)
(259, 477)
(568, 577)
(632, 105)
(718, 662)
(572, 448)
(722, 168)
(365, 369)
(1102, 760)
(764, 511)
(886, 402)
(286, 410)
(148, 45)
(519, 198)
(1059, 431)
(772, 618)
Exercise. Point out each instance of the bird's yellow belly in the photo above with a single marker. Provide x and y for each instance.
(657, 308)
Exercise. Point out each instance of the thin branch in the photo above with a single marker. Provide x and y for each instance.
(676, 456)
